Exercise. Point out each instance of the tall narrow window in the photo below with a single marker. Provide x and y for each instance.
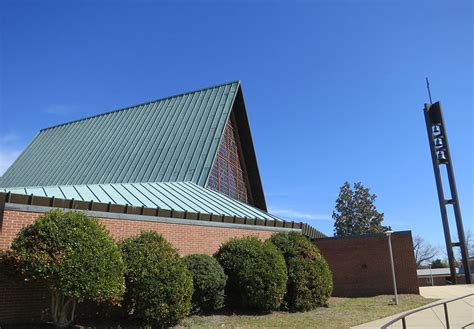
(227, 175)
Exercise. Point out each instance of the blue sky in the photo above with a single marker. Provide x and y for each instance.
(334, 90)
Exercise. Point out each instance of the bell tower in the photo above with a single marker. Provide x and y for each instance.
(441, 159)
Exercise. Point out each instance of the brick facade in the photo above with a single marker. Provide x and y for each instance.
(22, 302)
(188, 239)
(361, 264)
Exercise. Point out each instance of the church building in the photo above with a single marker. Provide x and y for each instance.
(186, 160)
(183, 166)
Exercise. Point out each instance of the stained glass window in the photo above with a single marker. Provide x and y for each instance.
(227, 175)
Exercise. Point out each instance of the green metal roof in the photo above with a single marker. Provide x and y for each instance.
(181, 196)
(172, 139)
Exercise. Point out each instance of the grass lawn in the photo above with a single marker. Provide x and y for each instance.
(341, 313)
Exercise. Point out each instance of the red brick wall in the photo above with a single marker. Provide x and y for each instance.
(188, 239)
(10, 225)
(440, 281)
(361, 265)
(22, 302)
(437, 280)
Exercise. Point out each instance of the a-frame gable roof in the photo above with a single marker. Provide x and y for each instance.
(168, 140)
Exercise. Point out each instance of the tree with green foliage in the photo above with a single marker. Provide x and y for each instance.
(159, 286)
(74, 255)
(209, 282)
(355, 212)
(256, 274)
(309, 277)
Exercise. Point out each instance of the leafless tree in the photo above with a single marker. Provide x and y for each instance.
(424, 251)
(470, 245)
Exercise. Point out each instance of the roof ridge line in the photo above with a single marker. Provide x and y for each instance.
(140, 104)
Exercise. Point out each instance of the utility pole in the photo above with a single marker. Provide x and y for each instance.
(394, 279)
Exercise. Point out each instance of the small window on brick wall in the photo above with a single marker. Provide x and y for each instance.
(227, 175)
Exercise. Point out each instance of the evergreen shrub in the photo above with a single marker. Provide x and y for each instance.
(256, 273)
(74, 255)
(209, 282)
(159, 286)
(309, 277)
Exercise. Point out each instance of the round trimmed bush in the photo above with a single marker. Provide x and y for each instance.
(309, 276)
(74, 255)
(209, 282)
(159, 286)
(256, 274)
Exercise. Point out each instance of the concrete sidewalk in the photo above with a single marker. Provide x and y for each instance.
(461, 312)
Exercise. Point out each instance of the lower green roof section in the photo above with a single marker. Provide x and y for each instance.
(180, 196)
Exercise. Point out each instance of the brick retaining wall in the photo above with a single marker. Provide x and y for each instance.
(361, 264)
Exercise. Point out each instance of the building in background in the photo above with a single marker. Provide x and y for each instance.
(437, 276)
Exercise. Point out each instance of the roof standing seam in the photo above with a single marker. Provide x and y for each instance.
(172, 139)
(173, 204)
(197, 201)
(153, 101)
(214, 142)
(184, 130)
(160, 199)
(242, 204)
(169, 136)
(122, 145)
(117, 196)
(199, 131)
(196, 160)
(102, 194)
(138, 171)
(189, 204)
(223, 203)
(149, 197)
(213, 204)
(186, 133)
(121, 195)
(180, 196)
(187, 161)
